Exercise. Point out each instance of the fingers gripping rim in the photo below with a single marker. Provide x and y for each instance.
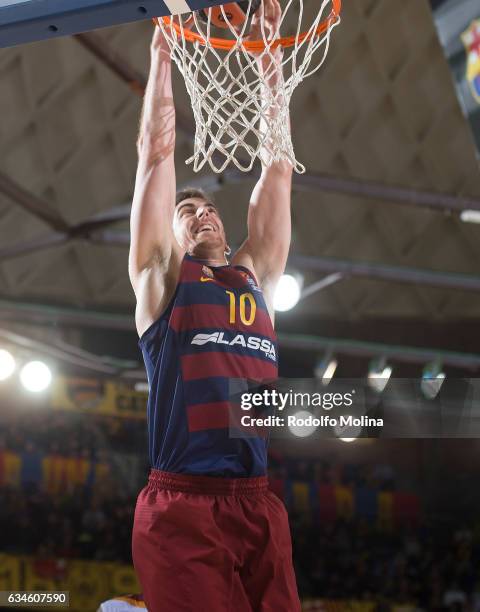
(236, 12)
(258, 45)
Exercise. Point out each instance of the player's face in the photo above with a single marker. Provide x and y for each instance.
(197, 226)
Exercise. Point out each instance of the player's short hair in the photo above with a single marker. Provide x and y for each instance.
(192, 192)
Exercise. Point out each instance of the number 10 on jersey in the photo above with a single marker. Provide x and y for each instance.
(244, 298)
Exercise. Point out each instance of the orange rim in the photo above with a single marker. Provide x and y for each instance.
(257, 45)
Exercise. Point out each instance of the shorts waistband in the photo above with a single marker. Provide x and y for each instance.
(208, 485)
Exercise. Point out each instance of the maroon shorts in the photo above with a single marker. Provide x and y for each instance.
(213, 544)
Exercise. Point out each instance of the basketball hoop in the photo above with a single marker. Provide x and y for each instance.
(240, 89)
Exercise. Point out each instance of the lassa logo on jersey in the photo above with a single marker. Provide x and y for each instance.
(252, 342)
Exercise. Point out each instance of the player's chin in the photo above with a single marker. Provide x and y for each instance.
(209, 239)
(210, 244)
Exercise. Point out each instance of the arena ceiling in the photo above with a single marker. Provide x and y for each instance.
(390, 163)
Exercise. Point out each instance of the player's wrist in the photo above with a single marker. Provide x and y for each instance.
(160, 53)
(159, 46)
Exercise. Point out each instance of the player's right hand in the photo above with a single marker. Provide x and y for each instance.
(269, 15)
(159, 42)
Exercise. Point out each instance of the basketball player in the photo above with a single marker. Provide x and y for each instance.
(208, 535)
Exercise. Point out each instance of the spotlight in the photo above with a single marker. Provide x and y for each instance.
(287, 293)
(7, 364)
(379, 374)
(432, 379)
(325, 369)
(304, 426)
(470, 216)
(347, 433)
(35, 376)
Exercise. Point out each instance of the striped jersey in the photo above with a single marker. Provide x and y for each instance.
(215, 331)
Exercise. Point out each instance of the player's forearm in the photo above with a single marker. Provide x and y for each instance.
(154, 196)
(270, 66)
(156, 139)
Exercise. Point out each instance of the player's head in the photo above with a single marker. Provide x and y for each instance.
(197, 225)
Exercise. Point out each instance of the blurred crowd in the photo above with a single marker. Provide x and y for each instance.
(381, 477)
(71, 433)
(74, 525)
(431, 567)
(97, 436)
(435, 568)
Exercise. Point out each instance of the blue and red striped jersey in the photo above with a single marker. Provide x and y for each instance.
(216, 330)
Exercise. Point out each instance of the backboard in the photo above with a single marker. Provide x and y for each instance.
(26, 21)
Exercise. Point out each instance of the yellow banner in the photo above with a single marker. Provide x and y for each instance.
(344, 498)
(98, 397)
(11, 467)
(385, 510)
(301, 497)
(9, 573)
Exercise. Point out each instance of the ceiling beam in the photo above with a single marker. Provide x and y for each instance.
(213, 184)
(121, 67)
(40, 243)
(93, 230)
(386, 272)
(110, 365)
(31, 203)
(66, 353)
(344, 268)
(117, 63)
(360, 348)
(386, 193)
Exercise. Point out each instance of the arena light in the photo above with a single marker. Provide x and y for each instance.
(379, 374)
(325, 369)
(432, 379)
(35, 376)
(347, 433)
(7, 364)
(304, 426)
(142, 387)
(287, 293)
(470, 216)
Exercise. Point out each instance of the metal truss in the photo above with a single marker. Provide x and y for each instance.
(111, 367)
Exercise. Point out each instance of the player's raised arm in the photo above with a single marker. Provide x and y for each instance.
(152, 238)
(266, 248)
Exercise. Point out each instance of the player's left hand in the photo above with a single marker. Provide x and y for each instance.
(270, 13)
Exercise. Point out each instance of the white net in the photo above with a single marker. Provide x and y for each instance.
(241, 95)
